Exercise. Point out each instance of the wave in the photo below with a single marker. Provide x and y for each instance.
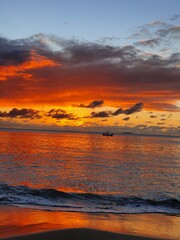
(51, 199)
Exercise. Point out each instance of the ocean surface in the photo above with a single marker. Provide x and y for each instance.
(90, 173)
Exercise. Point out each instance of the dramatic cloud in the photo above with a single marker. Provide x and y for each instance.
(34, 114)
(21, 113)
(13, 53)
(118, 111)
(102, 114)
(136, 108)
(60, 114)
(50, 70)
(93, 104)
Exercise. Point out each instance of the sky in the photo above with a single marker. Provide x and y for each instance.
(90, 65)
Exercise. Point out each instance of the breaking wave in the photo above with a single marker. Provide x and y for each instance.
(51, 199)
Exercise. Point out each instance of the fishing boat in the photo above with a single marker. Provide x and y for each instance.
(107, 134)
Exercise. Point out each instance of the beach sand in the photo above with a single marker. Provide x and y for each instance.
(32, 224)
(78, 234)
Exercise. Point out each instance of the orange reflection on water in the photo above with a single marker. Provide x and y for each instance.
(16, 221)
(89, 163)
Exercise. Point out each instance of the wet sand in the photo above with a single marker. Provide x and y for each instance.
(78, 234)
(41, 224)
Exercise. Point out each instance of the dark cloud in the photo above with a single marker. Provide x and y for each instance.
(87, 53)
(94, 104)
(102, 114)
(117, 112)
(61, 114)
(163, 119)
(21, 113)
(13, 52)
(126, 118)
(136, 108)
(72, 52)
(77, 52)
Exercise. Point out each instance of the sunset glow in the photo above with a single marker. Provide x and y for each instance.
(89, 119)
(45, 72)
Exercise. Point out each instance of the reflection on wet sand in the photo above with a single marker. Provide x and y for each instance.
(15, 221)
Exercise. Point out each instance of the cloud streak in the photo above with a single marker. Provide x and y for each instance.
(21, 113)
(104, 114)
(158, 33)
(149, 43)
(93, 104)
(60, 114)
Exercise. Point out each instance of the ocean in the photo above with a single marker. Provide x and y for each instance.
(90, 173)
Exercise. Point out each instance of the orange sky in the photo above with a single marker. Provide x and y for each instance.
(82, 85)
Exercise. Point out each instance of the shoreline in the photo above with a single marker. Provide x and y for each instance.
(16, 221)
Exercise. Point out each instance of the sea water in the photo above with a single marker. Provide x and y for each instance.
(83, 172)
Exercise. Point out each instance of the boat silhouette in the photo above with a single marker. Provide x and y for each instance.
(108, 134)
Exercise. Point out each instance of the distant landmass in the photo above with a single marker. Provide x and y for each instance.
(86, 132)
(127, 133)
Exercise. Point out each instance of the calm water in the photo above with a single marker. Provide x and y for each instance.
(89, 172)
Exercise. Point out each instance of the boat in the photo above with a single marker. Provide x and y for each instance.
(107, 134)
